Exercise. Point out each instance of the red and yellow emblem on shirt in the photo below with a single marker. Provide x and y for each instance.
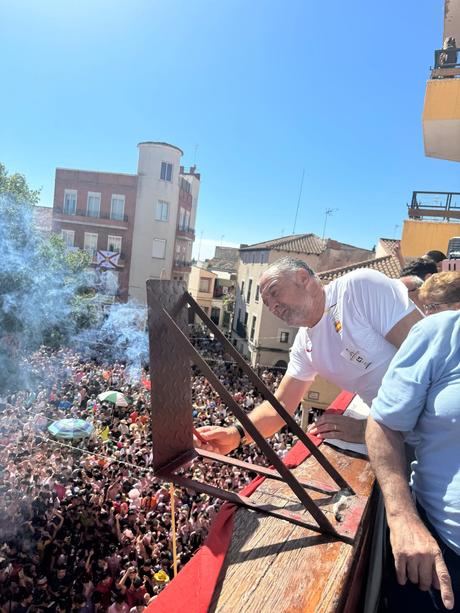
(332, 312)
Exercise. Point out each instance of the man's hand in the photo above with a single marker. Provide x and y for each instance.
(419, 559)
(218, 440)
(331, 425)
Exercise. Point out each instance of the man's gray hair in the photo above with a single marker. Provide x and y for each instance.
(412, 282)
(287, 265)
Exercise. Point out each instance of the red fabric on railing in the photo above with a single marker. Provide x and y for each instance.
(193, 588)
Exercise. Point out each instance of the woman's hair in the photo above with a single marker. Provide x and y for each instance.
(442, 288)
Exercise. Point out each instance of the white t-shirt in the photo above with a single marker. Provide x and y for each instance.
(347, 346)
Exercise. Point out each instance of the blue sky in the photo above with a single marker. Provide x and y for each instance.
(254, 92)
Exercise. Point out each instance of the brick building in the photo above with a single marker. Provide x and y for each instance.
(147, 218)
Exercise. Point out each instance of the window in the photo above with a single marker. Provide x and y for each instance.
(162, 211)
(94, 204)
(117, 207)
(181, 217)
(215, 315)
(68, 236)
(284, 337)
(70, 201)
(159, 248)
(248, 298)
(245, 318)
(242, 288)
(257, 293)
(114, 243)
(90, 244)
(205, 285)
(166, 171)
(184, 185)
(253, 328)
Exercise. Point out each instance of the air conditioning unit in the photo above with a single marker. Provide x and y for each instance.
(453, 250)
(453, 255)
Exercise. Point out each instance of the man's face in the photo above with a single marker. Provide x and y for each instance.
(288, 298)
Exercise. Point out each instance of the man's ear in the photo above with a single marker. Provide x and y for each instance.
(302, 277)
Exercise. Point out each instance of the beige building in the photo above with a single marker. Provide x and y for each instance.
(214, 292)
(258, 334)
(163, 232)
(201, 287)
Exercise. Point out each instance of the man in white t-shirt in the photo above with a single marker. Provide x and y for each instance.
(348, 333)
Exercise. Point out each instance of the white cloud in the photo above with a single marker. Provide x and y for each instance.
(204, 248)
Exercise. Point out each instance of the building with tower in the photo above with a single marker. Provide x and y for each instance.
(135, 226)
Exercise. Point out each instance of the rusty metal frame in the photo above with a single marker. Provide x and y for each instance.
(173, 449)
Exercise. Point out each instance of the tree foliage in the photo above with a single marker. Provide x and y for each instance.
(15, 185)
(45, 294)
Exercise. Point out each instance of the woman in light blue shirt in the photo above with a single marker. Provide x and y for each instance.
(420, 394)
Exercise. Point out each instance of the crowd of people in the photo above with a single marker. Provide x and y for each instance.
(86, 526)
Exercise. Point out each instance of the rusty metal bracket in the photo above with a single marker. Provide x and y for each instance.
(171, 355)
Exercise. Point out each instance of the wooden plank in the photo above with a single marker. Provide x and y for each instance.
(273, 565)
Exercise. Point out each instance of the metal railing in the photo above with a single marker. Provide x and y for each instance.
(180, 264)
(85, 213)
(181, 229)
(435, 205)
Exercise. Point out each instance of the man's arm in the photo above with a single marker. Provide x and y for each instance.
(290, 392)
(417, 554)
(398, 333)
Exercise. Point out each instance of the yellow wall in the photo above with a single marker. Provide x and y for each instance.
(442, 99)
(418, 237)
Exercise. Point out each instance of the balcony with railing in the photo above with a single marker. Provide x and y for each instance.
(182, 265)
(435, 206)
(183, 231)
(72, 212)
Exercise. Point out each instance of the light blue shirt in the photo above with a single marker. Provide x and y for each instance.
(420, 393)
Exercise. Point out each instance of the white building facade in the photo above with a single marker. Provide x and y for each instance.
(164, 222)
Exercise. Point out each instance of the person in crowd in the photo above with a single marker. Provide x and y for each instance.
(349, 332)
(420, 267)
(420, 396)
(75, 518)
(441, 292)
(413, 284)
(436, 256)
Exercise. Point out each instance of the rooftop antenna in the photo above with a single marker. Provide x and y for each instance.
(327, 213)
(298, 201)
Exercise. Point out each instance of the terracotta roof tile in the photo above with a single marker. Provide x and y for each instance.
(388, 265)
(390, 244)
(296, 243)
